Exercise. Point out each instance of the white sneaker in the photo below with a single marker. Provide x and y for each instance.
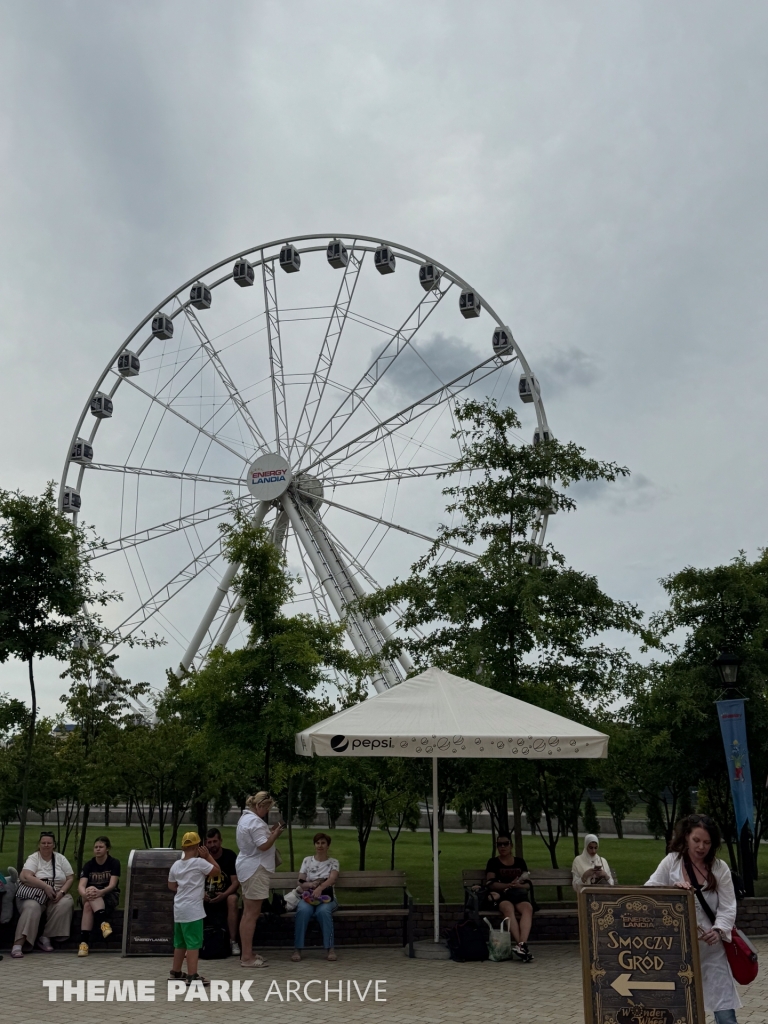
(235, 948)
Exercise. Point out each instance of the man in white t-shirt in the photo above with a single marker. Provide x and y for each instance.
(255, 862)
(186, 880)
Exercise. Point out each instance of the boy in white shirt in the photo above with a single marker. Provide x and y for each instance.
(187, 880)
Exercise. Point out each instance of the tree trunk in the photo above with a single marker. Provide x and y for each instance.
(289, 818)
(106, 814)
(81, 843)
(20, 858)
(128, 811)
(200, 814)
(517, 813)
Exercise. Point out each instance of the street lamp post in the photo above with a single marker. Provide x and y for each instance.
(728, 669)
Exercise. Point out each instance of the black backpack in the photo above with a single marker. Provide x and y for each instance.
(467, 941)
(216, 945)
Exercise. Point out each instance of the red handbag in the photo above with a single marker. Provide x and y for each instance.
(741, 954)
(742, 958)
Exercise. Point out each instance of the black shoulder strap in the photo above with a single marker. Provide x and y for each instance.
(697, 887)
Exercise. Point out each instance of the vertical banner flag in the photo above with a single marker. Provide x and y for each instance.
(733, 726)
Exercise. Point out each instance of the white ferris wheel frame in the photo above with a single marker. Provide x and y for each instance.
(335, 568)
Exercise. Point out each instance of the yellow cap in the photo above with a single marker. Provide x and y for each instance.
(190, 839)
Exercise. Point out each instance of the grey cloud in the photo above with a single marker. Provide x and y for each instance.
(564, 369)
(421, 368)
(636, 492)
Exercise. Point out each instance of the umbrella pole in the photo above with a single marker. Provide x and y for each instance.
(435, 864)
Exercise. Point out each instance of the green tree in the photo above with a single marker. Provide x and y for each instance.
(710, 611)
(532, 630)
(620, 802)
(590, 818)
(248, 704)
(398, 806)
(49, 593)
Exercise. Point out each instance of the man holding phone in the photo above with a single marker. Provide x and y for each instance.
(255, 862)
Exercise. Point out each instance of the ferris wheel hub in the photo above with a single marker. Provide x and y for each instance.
(269, 477)
(310, 490)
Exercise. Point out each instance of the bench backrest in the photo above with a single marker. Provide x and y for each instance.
(539, 876)
(346, 880)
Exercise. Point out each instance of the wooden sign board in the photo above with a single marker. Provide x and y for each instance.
(148, 918)
(640, 956)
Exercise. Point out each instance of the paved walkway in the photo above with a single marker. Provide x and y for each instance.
(548, 991)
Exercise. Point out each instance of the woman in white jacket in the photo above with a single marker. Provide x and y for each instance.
(693, 857)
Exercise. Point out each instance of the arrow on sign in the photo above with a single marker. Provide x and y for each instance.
(624, 986)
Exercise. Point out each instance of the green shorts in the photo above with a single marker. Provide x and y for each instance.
(188, 934)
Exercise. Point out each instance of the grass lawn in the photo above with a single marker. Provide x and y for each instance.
(633, 860)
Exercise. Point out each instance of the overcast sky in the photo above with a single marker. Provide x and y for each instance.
(597, 169)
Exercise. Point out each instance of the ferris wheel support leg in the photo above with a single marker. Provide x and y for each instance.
(351, 591)
(379, 622)
(236, 611)
(329, 583)
(221, 592)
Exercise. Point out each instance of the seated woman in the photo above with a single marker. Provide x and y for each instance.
(507, 891)
(99, 892)
(589, 868)
(316, 879)
(52, 874)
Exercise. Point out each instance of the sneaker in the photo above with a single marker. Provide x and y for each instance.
(44, 943)
(235, 947)
(517, 949)
(106, 929)
(528, 955)
(82, 949)
(17, 953)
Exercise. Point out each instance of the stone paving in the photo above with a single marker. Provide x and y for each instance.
(548, 991)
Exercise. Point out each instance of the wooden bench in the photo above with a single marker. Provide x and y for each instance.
(559, 877)
(369, 881)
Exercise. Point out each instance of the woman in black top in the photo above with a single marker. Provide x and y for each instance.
(506, 888)
(99, 893)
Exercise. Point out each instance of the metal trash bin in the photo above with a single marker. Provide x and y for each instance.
(148, 918)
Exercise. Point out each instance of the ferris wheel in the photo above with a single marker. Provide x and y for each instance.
(313, 381)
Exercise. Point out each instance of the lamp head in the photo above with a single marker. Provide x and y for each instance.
(728, 667)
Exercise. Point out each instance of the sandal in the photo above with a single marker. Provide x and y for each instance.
(197, 977)
(17, 953)
(331, 955)
(177, 975)
(296, 956)
(256, 962)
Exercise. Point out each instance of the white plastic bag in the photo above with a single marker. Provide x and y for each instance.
(499, 941)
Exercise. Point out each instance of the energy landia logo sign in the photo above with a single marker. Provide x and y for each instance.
(269, 477)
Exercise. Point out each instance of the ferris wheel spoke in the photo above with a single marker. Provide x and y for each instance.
(385, 428)
(358, 394)
(366, 476)
(132, 540)
(333, 332)
(169, 408)
(274, 341)
(394, 526)
(226, 379)
(171, 474)
(160, 598)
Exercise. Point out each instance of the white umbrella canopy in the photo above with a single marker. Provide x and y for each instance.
(436, 714)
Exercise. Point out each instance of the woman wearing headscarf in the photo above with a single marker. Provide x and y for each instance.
(589, 868)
